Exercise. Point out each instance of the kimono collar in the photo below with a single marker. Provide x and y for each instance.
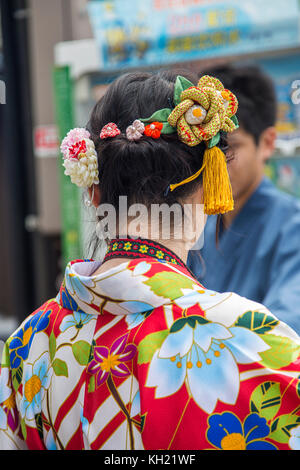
(141, 248)
(152, 277)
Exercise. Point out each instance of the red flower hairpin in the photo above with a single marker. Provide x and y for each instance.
(153, 130)
(109, 130)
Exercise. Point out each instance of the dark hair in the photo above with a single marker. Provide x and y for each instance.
(256, 95)
(142, 170)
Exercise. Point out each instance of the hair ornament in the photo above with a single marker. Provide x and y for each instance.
(80, 158)
(201, 112)
(154, 130)
(135, 131)
(109, 130)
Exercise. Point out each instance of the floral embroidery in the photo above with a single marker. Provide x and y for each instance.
(141, 247)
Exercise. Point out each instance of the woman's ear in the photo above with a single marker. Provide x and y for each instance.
(95, 195)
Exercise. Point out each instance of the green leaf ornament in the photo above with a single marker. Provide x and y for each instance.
(214, 140)
(181, 84)
(235, 121)
(161, 116)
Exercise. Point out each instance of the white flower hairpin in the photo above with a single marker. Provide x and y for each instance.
(80, 158)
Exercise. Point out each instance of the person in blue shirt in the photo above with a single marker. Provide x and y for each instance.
(257, 252)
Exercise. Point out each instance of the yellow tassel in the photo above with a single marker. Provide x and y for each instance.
(217, 189)
(187, 180)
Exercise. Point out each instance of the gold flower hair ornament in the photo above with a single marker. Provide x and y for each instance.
(201, 112)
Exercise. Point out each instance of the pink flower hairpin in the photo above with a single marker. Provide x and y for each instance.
(80, 158)
(109, 130)
(135, 131)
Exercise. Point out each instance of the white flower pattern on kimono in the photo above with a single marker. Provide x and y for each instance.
(50, 440)
(76, 319)
(137, 312)
(5, 393)
(79, 286)
(37, 378)
(135, 405)
(203, 297)
(205, 357)
(294, 441)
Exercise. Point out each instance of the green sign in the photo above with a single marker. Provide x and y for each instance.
(69, 193)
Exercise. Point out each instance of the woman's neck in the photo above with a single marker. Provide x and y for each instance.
(178, 247)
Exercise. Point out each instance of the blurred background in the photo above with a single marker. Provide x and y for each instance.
(56, 60)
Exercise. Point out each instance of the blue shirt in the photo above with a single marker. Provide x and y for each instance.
(258, 257)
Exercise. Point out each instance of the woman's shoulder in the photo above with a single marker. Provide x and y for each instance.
(235, 311)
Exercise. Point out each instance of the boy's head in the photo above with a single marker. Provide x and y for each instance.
(254, 142)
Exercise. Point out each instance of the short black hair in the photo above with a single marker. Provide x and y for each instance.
(255, 92)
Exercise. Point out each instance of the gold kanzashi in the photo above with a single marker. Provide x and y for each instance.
(220, 106)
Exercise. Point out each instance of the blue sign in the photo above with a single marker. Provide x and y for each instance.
(135, 33)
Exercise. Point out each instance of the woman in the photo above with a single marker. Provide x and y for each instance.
(134, 353)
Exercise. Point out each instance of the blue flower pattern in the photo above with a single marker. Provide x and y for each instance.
(226, 432)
